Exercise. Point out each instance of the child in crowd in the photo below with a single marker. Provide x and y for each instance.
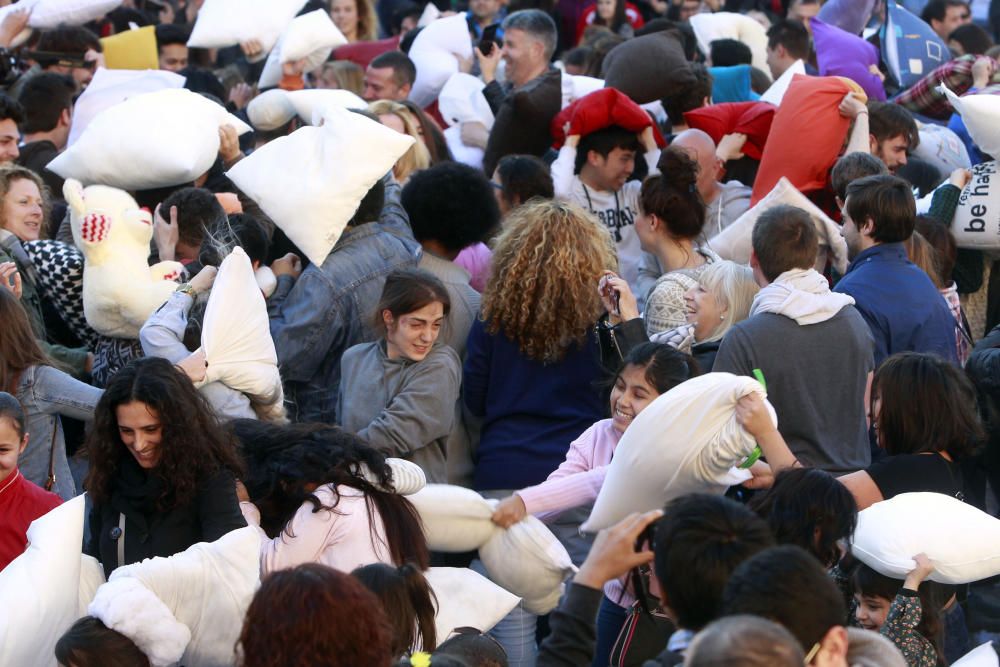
(907, 613)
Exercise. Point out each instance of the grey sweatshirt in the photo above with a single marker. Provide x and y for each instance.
(402, 408)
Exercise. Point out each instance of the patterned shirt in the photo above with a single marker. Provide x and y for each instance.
(900, 628)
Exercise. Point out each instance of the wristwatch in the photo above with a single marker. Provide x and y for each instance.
(185, 288)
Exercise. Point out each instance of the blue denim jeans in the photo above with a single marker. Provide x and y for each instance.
(610, 619)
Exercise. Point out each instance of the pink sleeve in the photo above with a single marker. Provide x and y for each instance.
(313, 532)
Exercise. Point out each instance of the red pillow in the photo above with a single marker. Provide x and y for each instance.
(750, 118)
(598, 110)
(806, 136)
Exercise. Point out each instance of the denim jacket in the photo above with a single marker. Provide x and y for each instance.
(331, 307)
(45, 393)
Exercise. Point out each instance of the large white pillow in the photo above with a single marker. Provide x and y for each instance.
(311, 36)
(111, 86)
(981, 115)
(977, 219)
(983, 655)
(270, 110)
(726, 25)
(734, 242)
(153, 140)
(530, 562)
(961, 541)
(120, 289)
(575, 86)
(236, 335)
(436, 52)
(776, 91)
(462, 101)
(208, 588)
(455, 519)
(91, 578)
(686, 441)
(470, 155)
(311, 104)
(312, 181)
(467, 599)
(39, 590)
(222, 23)
(941, 147)
(407, 477)
(50, 14)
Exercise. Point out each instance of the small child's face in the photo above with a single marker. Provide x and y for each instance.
(871, 611)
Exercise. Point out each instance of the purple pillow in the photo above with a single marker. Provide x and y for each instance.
(849, 15)
(839, 53)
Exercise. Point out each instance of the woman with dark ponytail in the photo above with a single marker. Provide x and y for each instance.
(321, 495)
(408, 601)
(670, 222)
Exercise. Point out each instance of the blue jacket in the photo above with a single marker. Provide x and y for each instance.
(531, 411)
(904, 310)
(331, 307)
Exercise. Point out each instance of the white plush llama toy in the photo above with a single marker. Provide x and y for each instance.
(120, 290)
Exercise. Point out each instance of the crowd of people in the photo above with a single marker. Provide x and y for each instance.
(483, 239)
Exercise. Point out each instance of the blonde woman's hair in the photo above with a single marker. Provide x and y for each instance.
(349, 75)
(11, 173)
(541, 291)
(418, 157)
(367, 20)
(734, 288)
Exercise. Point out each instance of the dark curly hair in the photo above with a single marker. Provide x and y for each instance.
(451, 203)
(285, 464)
(192, 447)
(314, 615)
(809, 508)
(672, 196)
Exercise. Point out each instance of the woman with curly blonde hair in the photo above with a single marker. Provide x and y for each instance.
(396, 116)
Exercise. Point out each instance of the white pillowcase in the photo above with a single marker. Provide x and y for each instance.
(435, 52)
(120, 289)
(154, 140)
(961, 541)
(455, 519)
(726, 25)
(941, 147)
(776, 91)
(270, 110)
(312, 181)
(470, 155)
(50, 14)
(112, 86)
(39, 590)
(981, 115)
(528, 560)
(311, 36)
(222, 23)
(91, 578)
(575, 86)
(311, 104)
(236, 335)
(127, 607)
(208, 588)
(688, 440)
(734, 242)
(977, 219)
(467, 599)
(462, 101)
(983, 655)
(407, 477)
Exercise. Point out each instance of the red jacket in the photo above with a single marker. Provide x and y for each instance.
(21, 502)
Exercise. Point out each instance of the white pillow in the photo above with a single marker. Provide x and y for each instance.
(981, 115)
(236, 335)
(528, 560)
(776, 91)
(977, 219)
(470, 155)
(129, 608)
(574, 87)
(726, 25)
(154, 140)
(462, 101)
(120, 289)
(111, 86)
(467, 599)
(312, 181)
(686, 441)
(430, 14)
(311, 36)
(435, 52)
(734, 242)
(983, 655)
(941, 147)
(270, 110)
(208, 588)
(310, 104)
(222, 23)
(50, 14)
(961, 541)
(407, 477)
(39, 590)
(91, 578)
(455, 519)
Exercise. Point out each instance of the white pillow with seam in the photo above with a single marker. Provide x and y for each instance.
(311, 36)
(466, 598)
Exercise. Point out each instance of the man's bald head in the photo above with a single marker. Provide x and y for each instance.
(701, 148)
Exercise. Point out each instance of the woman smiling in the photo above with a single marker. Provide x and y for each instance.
(398, 394)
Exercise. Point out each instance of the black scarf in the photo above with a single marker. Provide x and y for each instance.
(134, 493)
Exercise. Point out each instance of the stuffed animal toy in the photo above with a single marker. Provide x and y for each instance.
(120, 290)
